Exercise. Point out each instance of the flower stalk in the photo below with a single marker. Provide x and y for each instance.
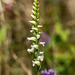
(35, 49)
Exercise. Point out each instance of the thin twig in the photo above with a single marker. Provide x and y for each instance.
(22, 64)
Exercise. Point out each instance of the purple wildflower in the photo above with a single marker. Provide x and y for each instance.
(49, 72)
(45, 38)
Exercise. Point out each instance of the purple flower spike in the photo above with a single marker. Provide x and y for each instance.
(45, 38)
(46, 72)
(55, 74)
(49, 72)
(42, 72)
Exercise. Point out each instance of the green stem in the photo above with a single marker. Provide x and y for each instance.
(38, 71)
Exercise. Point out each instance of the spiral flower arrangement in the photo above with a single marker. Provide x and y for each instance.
(38, 54)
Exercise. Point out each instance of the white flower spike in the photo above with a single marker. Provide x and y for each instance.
(36, 63)
(41, 52)
(31, 38)
(34, 46)
(33, 22)
(38, 55)
(31, 50)
(42, 43)
(38, 36)
(35, 29)
(31, 31)
(41, 58)
(33, 16)
(39, 26)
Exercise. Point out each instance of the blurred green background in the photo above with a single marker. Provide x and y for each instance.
(58, 20)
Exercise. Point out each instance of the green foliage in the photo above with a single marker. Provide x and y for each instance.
(3, 32)
(64, 34)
